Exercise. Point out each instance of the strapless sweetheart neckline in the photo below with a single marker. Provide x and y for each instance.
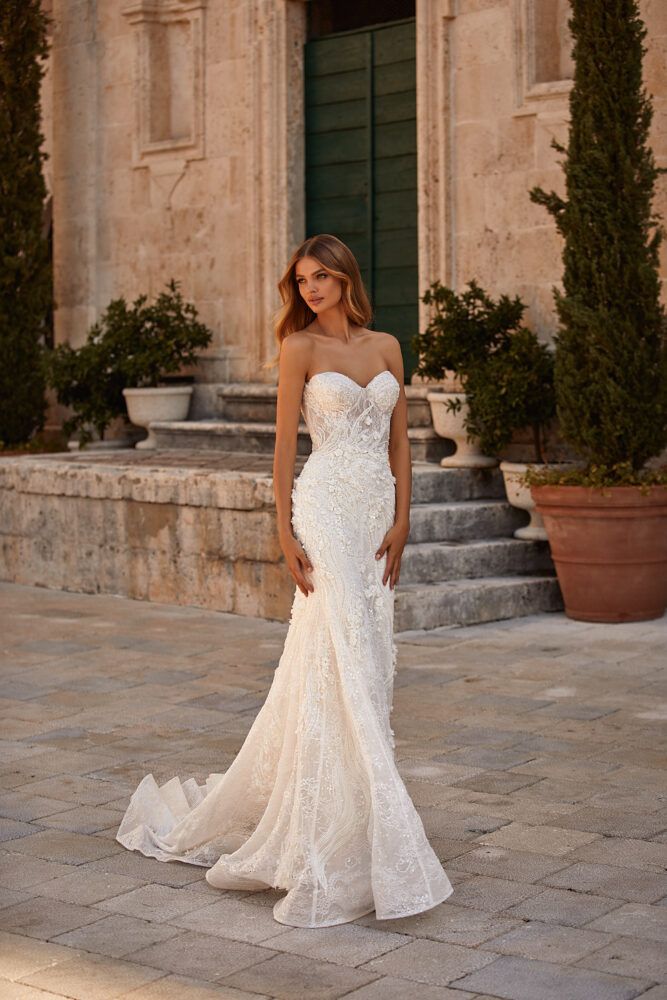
(363, 388)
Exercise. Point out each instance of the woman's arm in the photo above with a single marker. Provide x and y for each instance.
(400, 460)
(293, 367)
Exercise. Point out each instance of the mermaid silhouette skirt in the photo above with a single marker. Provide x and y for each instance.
(313, 802)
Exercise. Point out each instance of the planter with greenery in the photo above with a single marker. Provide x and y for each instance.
(128, 354)
(25, 266)
(464, 330)
(514, 390)
(607, 521)
(507, 377)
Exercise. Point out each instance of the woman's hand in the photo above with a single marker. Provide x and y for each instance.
(393, 544)
(297, 562)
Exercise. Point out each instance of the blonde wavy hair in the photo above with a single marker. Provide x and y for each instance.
(336, 258)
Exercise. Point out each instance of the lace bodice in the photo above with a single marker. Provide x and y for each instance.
(345, 418)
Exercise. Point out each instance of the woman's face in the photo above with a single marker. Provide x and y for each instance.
(320, 289)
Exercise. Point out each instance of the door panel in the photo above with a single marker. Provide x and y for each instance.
(361, 162)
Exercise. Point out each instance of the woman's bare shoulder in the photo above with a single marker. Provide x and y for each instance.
(295, 353)
(297, 342)
(389, 342)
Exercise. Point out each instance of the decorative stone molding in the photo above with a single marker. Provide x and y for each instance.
(542, 53)
(169, 117)
(275, 31)
(435, 211)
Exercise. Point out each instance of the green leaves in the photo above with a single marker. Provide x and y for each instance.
(130, 346)
(512, 390)
(506, 373)
(156, 339)
(463, 329)
(25, 265)
(611, 348)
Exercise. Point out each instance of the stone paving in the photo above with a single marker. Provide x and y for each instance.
(533, 749)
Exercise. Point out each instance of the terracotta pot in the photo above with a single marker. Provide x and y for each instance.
(451, 424)
(609, 548)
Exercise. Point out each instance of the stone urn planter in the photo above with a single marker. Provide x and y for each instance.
(519, 495)
(450, 423)
(609, 547)
(144, 405)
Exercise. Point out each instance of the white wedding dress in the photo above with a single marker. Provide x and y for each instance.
(313, 802)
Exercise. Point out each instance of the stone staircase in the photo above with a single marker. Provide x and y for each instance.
(461, 565)
(245, 420)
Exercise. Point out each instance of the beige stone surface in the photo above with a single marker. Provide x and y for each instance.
(168, 534)
(193, 167)
(535, 905)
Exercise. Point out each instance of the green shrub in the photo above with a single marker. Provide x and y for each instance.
(511, 391)
(25, 265)
(611, 348)
(506, 374)
(464, 328)
(130, 346)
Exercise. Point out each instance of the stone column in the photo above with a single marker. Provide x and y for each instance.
(74, 168)
(276, 32)
(435, 210)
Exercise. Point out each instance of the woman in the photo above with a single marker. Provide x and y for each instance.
(313, 802)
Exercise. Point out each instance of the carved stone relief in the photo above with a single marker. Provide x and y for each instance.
(169, 79)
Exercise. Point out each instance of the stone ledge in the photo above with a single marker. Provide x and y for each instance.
(232, 489)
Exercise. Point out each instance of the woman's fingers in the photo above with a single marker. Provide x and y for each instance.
(391, 571)
(300, 581)
(386, 574)
(380, 552)
(298, 573)
(301, 555)
(305, 562)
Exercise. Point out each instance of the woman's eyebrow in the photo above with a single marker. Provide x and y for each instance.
(316, 271)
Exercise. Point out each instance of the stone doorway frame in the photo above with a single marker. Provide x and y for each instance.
(277, 78)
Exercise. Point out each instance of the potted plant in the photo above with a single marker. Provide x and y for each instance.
(158, 340)
(607, 521)
(86, 380)
(512, 390)
(463, 331)
(125, 364)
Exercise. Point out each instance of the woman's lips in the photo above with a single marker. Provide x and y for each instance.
(313, 302)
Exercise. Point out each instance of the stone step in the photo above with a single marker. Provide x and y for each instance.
(255, 402)
(432, 483)
(464, 521)
(471, 602)
(228, 435)
(223, 435)
(433, 562)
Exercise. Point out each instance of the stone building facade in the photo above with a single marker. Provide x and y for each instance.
(177, 133)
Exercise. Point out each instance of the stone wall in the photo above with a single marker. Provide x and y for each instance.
(182, 536)
(170, 128)
(175, 133)
(509, 68)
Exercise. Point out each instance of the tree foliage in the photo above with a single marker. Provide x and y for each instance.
(130, 346)
(506, 373)
(25, 269)
(611, 347)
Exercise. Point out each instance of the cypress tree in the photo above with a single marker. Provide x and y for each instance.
(611, 346)
(25, 269)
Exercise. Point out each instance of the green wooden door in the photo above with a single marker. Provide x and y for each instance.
(361, 162)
